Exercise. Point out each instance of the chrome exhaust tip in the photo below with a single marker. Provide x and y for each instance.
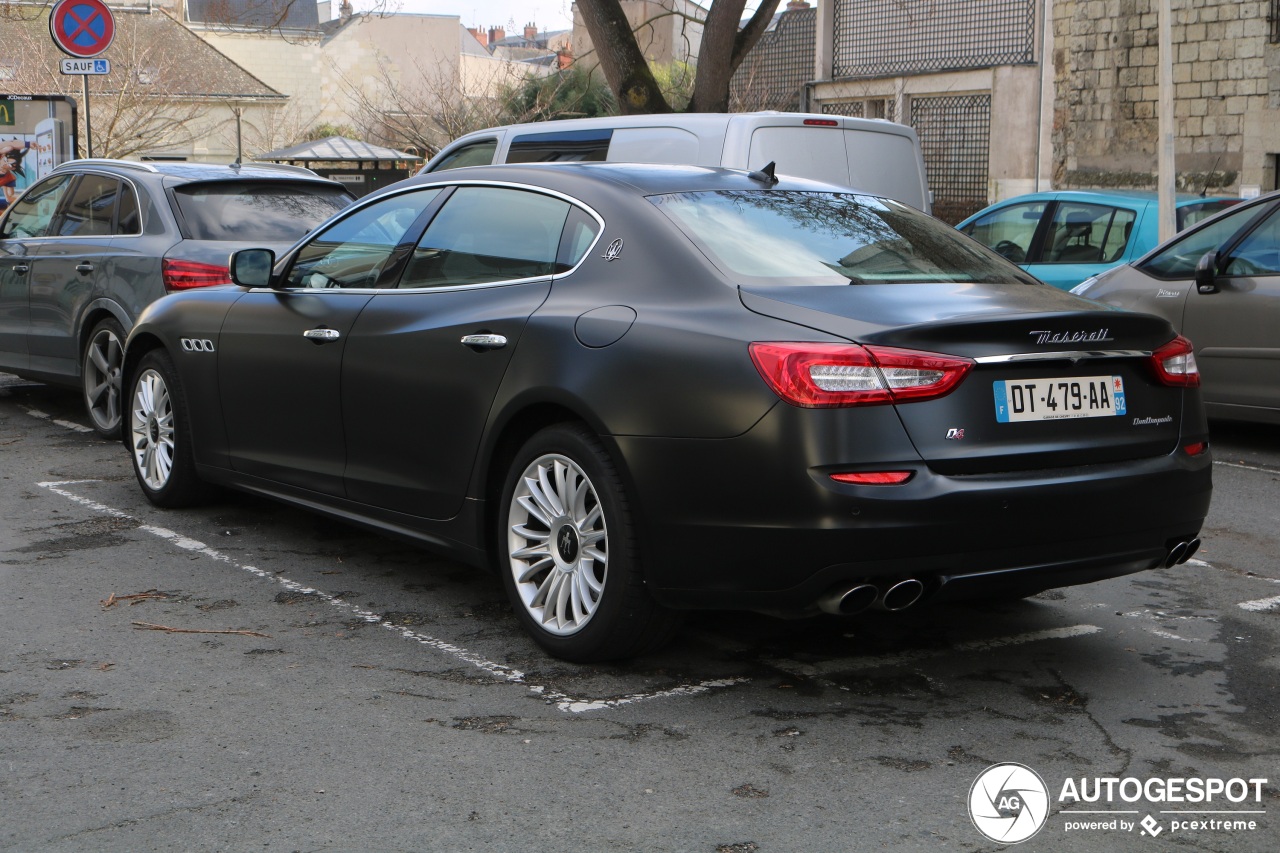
(1176, 555)
(1192, 547)
(846, 602)
(901, 595)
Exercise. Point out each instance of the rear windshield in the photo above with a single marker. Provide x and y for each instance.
(1191, 214)
(778, 237)
(266, 212)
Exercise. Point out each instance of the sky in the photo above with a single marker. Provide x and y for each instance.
(547, 14)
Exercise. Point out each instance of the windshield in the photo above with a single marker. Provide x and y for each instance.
(829, 238)
(265, 212)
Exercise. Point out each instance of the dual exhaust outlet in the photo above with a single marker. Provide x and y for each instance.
(1181, 552)
(895, 596)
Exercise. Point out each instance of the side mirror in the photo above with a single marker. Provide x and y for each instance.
(1207, 272)
(252, 267)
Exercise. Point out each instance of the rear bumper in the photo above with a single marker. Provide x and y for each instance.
(723, 529)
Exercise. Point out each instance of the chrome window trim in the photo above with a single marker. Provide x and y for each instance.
(75, 172)
(1070, 355)
(444, 184)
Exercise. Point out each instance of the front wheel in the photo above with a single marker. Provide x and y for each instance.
(160, 435)
(569, 559)
(100, 376)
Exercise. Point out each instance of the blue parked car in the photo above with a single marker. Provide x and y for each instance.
(1064, 237)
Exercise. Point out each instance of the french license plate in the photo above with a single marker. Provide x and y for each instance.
(1058, 399)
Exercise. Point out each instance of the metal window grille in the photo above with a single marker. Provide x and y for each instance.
(862, 108)
(879, 38)
(955, 138)
(774, 72)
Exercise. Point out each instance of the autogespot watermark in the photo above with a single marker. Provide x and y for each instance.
(1009, 803)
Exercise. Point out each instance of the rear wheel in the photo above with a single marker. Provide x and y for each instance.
(100, 376)
(568, 552)
(160, 435)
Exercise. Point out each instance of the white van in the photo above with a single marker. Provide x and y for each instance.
(872, 155)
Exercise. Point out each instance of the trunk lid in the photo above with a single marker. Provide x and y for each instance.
(1049, 358)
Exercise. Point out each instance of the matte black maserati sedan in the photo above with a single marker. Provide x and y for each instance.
(635, 389)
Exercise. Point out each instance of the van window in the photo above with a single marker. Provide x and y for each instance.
(568, 146)
(476, 154)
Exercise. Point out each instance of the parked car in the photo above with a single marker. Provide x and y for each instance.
(1219, 283)
(1064, 237)
(83, 251)
(873, 155)
(635, 388)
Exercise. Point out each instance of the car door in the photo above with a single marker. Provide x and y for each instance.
(1082, 240)
(1236, 328)
(425, 360)
(70, 271)
(281, 350)
(28, 224)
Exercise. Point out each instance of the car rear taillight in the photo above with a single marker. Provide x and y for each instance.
(1195, 448)
(873, 478)
(828, 376)
(1175, 364)
(185, 275)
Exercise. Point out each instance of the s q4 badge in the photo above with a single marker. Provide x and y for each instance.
(613, 251)
(954, 434)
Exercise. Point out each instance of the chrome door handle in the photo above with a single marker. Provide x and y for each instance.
(484, 341)
(20, 269)
(84, 268)
(322, 335)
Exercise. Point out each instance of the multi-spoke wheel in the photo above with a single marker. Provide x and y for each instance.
(159, 435)
(569, 554)
(100, 375)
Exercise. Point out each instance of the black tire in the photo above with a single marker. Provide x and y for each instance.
(100, 377)
(159, 435)
(585, 557)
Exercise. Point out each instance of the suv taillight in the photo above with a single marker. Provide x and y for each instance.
(828, 376)
(1175, 364)
(185, 275)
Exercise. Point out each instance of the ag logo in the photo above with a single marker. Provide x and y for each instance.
(197, 345)
(1008, 803)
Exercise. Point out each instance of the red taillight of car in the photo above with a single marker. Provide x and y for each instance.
(873, 478)
(1175, 364)
(829, 376)
(185, 275)
(1195, 448)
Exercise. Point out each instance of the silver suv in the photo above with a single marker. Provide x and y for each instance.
(84, 250)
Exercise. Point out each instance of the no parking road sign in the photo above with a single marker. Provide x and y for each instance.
(82, 28)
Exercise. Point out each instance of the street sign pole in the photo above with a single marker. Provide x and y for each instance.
(83, 29)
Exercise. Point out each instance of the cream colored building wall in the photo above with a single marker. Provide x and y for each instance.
(666, 31)
(291, 66)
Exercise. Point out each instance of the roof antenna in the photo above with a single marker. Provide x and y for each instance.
(765, 175)
(1205, 187)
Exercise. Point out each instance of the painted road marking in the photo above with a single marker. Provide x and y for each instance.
(563, 701)
(36, 413)
(1244, 467)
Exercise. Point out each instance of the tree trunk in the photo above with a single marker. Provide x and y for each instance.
(621, 59)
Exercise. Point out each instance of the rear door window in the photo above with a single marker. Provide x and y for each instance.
(487, 234)
(1083, 233)
(91, 209)
(258, 212)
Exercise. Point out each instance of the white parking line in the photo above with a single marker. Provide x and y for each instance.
(36, 413)
(844, 665)
(1243, 467)
(563, 701)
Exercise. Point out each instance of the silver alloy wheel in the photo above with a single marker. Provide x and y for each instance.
(103, 359)
(151, 430)
(558, 544)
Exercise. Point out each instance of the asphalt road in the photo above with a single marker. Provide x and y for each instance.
(267, 680)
